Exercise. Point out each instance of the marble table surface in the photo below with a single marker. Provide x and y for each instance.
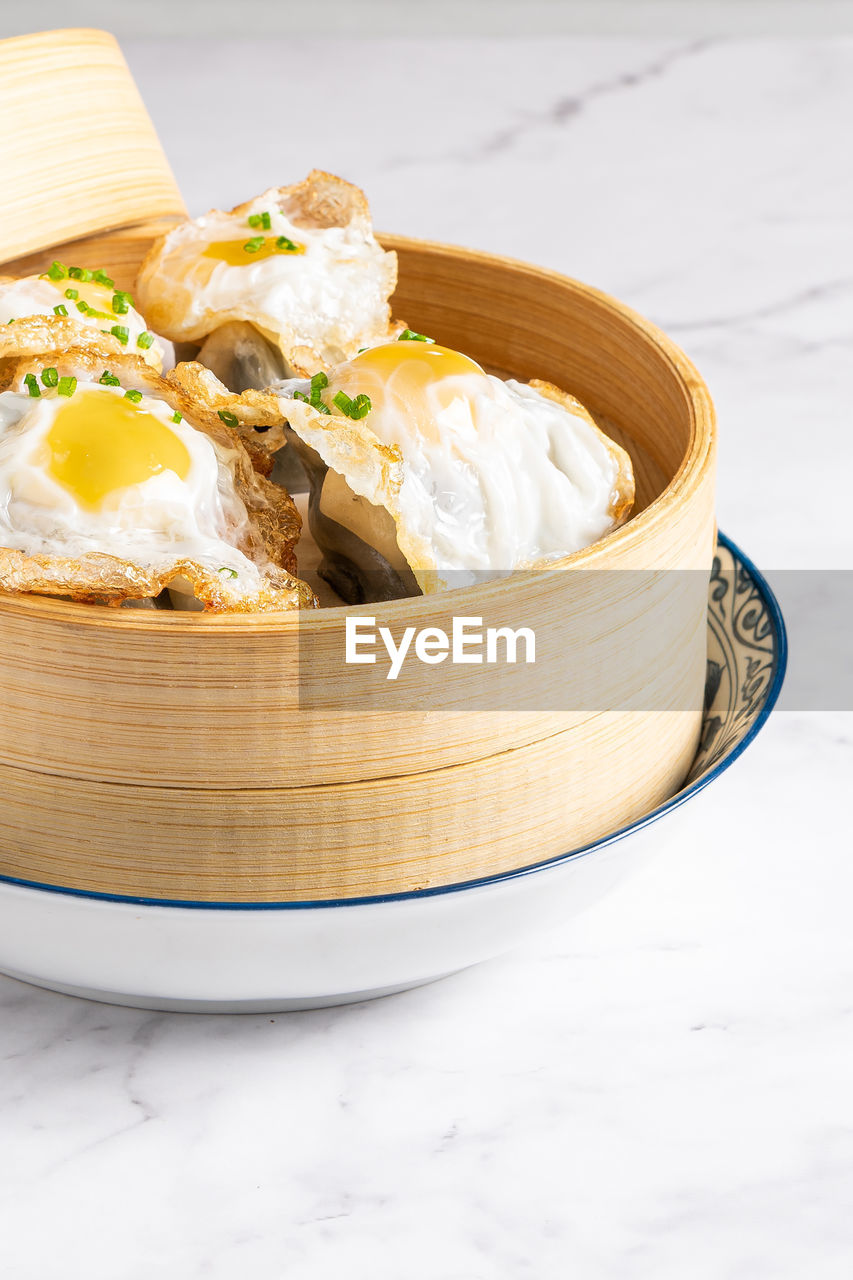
(662, 1088)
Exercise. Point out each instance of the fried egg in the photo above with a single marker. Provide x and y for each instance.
(88, 302)
(452, 471)
(299, 263)
(109, 491)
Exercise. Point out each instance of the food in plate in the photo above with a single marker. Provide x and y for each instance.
(117, 485)
(288, 283)
(75, 306)
(424, 467)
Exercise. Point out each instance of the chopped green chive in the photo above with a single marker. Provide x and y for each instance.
(318, 383)
(357, 408)
(121, 302)
(145, 340)
(108, 379)
(102, 278)
(409, 335)
(315, 404)
(230, 419)
(60, 310)
(120, 331)
(49, 377)
(82, 307)
(80, 273)
(177, 417)
(253, 245)
(232, 573)
(57, 271)
(66, 387)
(32, 385)
(285, 245)
(73, 294)
(135, 396)
(260, 220)
(99, 315)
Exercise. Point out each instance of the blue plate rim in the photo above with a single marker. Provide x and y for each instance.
(515, 873)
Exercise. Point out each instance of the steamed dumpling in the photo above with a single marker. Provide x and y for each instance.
(76, 306)
(115, 485)
(452, 473)
(300, 264)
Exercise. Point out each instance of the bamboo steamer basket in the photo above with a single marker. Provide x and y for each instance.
(226, 758)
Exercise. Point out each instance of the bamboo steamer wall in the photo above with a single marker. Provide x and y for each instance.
(176, 756)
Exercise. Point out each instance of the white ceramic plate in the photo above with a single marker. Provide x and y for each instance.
(273, 956)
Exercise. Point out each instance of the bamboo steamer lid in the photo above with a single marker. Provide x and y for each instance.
(78, 151)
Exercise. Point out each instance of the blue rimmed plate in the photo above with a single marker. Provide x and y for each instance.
(251, 957)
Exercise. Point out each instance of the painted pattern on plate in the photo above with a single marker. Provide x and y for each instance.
(743, 655)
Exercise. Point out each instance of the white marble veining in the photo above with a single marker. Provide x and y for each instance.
(663, 1088)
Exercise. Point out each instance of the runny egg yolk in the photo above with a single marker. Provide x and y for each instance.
(100, 442)
(421, 378)
(237, 254)
(96, 298)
